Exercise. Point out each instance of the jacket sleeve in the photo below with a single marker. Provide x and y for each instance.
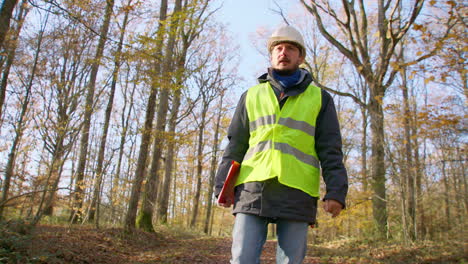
(329, 150)
(238, 136)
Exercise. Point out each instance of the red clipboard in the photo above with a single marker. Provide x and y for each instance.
(226, 196)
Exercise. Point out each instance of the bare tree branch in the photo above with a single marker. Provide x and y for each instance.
(280, 12)
(313, 10)
(353, 97)
(33, 192)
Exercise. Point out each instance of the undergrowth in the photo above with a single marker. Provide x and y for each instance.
(15, 237)
(20, 243)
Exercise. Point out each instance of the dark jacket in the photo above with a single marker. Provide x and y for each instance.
(270, 198)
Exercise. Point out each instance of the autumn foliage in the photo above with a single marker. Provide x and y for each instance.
(113, 118)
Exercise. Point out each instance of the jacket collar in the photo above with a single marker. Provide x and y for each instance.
(292, 91)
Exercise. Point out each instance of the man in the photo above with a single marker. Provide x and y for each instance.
(283, 130)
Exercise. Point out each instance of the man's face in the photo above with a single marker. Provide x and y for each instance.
(286, 58)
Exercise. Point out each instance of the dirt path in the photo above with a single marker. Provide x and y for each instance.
(56, 244)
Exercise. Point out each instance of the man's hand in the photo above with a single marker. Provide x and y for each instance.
(227, 203)
(333, 207)
(224, 205)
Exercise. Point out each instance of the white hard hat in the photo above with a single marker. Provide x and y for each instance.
(286, 34)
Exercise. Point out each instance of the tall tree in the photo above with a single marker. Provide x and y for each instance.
(376, 71)
(21, 122)
(145, 217)
(76, 213)
(58, 121)
(105, 129)
(25, 104)
(193, 13)
(214, 162)
(127, 109)
(208, 81)
(131, 215)
(11, 51)
(408, 166)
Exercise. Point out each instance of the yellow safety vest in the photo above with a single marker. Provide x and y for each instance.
(282, 141)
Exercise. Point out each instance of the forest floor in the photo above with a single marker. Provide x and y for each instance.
(59, 244)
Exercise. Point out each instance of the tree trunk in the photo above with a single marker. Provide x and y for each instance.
(189, 192)
(214, 162)
(76, 214)
(462, 160)
(10, 49)
(125, 119)
(365, 180)
(201, 144)
(457, 190)
(379, 199)
(6, 12)
(14, 148)
(145, 217)
(20, 125)
(164, 196)
(175, 198)
(130, 218)
(102, 148)
(408, 165)
(421, 229)
(55, 169)
(164, 201)
(446, 194)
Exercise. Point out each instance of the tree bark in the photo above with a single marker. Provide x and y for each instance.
(6, 12)
(102, 147)
(131, 215)
(76, 214)
(145, 217)
(462, 158)
(10, 49)
(214, 162)
(200, 146)
(45, 205)
(164, 201)
(20, 125)
(408, 166)
(421, 228)
(116, 193)
(379, 199)
(365, 180)
(448, 217)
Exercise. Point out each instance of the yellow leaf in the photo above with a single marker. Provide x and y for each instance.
(417, 26)
(419, 53)
(427, 80)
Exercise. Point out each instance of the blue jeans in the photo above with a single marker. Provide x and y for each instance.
(250, 233)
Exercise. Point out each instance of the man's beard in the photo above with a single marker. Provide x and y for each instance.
(286, 72)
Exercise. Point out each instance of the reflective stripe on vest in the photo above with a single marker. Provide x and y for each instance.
(282, 142)
(289, 122)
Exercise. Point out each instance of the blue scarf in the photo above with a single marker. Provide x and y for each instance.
(288, 80)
